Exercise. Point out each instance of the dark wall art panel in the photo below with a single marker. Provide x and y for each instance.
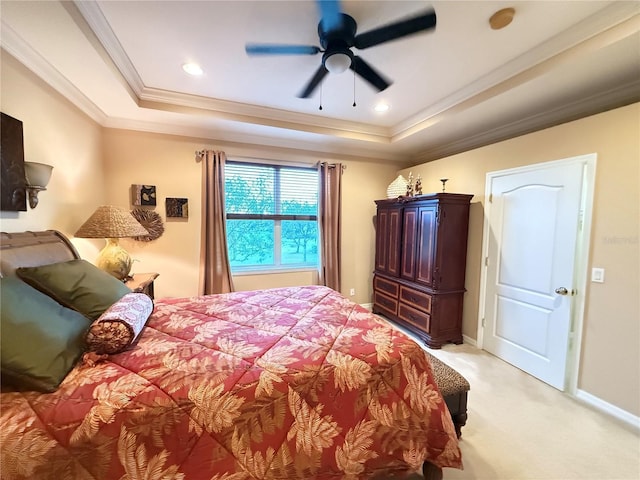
(12, 192)
(177, 207)
(143, 195)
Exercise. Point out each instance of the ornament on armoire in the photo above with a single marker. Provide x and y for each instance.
(401, 187)
(417, 189)
(397, 188)
(410, 186)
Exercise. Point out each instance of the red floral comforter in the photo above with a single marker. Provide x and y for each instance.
(290, 383)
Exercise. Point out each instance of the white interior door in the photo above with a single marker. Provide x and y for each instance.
(534, 220)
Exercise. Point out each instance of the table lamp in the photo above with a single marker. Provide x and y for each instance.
(111, 223)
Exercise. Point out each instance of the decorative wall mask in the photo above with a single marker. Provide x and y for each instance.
(150, 220)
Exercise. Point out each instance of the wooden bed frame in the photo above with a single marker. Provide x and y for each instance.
(28, 249)
(31, 249)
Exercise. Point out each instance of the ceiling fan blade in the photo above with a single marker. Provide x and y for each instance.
(276, 49)
(330, 14)
(367, 72)
(396, 30)
(314, 82)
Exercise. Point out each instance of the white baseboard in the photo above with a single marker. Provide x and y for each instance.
(609, 409)
(368, 306)
(469, 341)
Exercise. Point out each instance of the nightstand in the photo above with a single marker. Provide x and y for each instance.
(142, 283)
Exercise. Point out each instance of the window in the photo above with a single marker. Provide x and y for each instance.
(272, 214)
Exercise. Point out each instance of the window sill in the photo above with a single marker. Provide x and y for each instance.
(273, 271)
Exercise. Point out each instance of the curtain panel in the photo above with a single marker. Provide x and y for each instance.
(329, 220)
(215, 271)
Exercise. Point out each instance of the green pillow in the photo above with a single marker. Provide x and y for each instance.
(76, 284)
(41, 340)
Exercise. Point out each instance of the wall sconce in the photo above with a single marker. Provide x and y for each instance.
(37, 176)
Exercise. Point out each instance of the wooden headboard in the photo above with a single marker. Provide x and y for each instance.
(31, 249)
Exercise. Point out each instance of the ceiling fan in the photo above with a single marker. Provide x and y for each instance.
(337, 32)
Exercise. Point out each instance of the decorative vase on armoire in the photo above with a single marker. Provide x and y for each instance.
(421, 253)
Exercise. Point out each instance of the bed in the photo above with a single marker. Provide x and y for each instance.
(287, 383)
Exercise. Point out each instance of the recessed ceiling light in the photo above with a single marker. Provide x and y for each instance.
(192, 69)
(381, 107)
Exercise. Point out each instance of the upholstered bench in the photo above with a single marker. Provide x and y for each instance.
(454, 388)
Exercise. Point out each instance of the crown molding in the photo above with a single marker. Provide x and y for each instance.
(15, 45)
(95, 20)
(602, 101)
(242, 112)
(215, 134)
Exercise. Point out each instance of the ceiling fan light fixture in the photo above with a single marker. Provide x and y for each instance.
(381, 107)
(338, 62)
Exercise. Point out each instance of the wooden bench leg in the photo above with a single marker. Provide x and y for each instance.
(457, 405)
(459, 421)
(431, 472)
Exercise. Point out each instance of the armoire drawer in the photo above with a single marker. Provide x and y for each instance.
(385, 303)
(415, 298)
(389, 288)
(415, 317)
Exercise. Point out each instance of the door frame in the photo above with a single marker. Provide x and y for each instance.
(588, 161)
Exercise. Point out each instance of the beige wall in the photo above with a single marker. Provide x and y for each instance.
(610, 364)
(169, 163)
(57, 133)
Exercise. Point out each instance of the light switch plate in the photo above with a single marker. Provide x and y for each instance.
(597, 275)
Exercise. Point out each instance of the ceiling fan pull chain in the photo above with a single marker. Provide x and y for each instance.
(354, 87)
(320, 97)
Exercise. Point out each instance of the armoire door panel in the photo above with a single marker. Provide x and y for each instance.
(426, 251)
(409, 240)
(388, 225)
(382, 244)
(393, 254)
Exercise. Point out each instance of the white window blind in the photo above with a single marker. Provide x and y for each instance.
(271, 216)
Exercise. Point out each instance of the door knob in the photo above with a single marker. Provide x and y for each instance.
(562, 291)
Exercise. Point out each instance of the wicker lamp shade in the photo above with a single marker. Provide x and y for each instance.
(112, 223)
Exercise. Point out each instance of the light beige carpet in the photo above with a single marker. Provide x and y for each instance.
(522, 429)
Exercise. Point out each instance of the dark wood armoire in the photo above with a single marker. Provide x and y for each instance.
(421, 253)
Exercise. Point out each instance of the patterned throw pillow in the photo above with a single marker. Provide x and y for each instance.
(120, 325)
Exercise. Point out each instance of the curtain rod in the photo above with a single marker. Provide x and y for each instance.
(333, 165)
(200, 154)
